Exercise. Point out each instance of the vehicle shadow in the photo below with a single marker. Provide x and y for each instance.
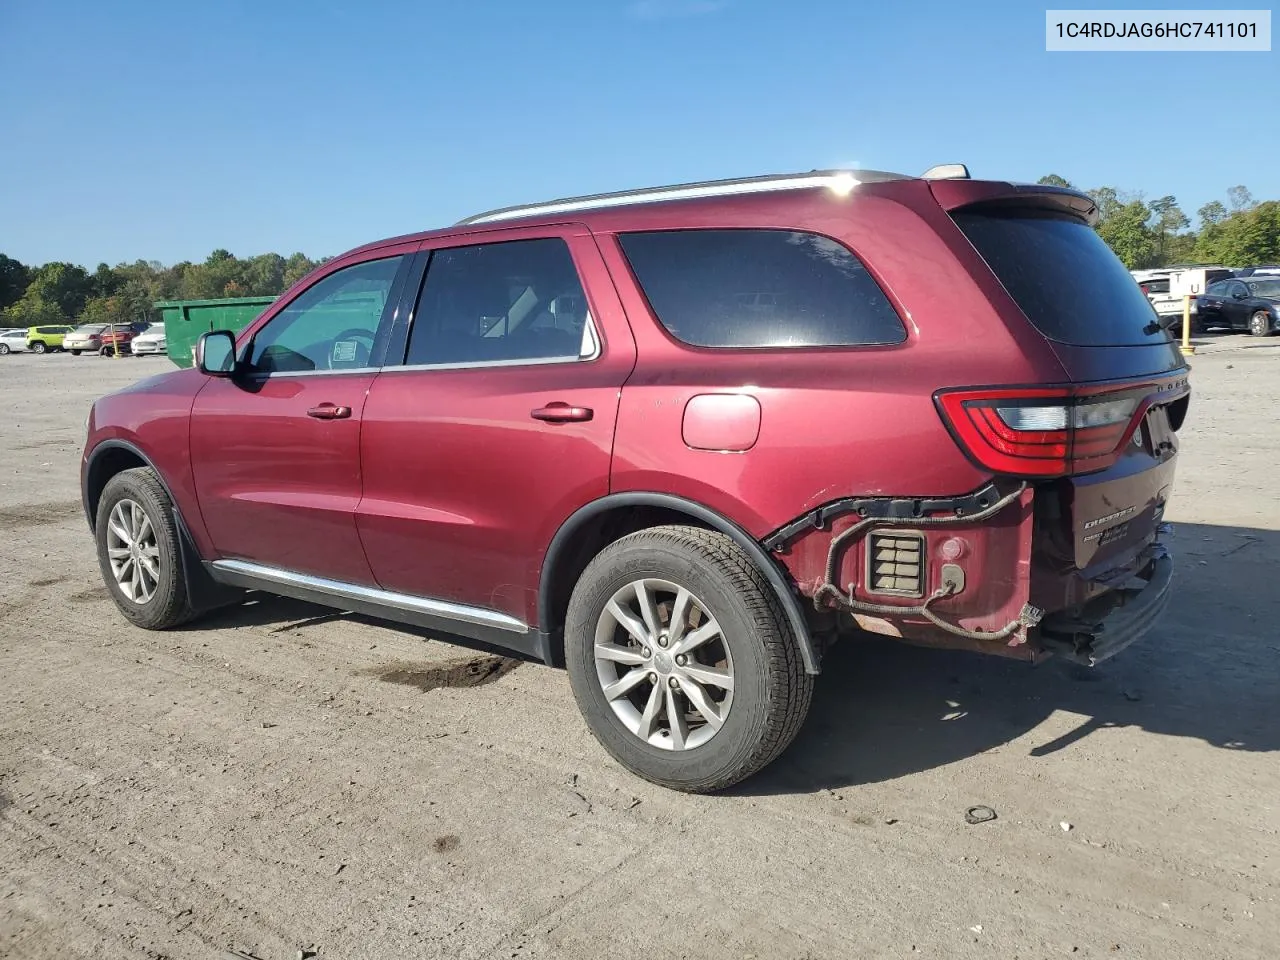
(284, 614)
(883, 710)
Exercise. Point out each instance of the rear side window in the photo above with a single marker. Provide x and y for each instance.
(1063, 277)
(1156, 286)
(760, 288)
(518, 301)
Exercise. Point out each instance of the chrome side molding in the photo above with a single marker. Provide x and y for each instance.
(337, 589)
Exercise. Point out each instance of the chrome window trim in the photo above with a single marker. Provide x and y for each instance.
(518, 362)
(281, 374)
(387, 598)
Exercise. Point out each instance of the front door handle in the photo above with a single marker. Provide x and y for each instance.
(559, 412)
(329, 411)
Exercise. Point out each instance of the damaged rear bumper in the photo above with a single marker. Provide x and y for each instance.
(1110, 623)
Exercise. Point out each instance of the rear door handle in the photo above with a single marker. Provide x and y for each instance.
(329, 411)
(558, 412)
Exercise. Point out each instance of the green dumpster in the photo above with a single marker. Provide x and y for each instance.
(185, 320)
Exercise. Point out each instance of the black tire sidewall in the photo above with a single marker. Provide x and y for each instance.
(170, 596)
(743, 728)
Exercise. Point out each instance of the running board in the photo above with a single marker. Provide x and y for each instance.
(458, 619)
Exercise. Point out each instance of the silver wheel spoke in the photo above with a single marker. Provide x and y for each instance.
(675, 717)
(648, 609)
(709, 675)
(625, 683)
(116, 527)
(118, 553)
(701, 702)
(679, 615)
(649, 718)
(618, 654)
(698, 637)
(151, 565)
(629, 623)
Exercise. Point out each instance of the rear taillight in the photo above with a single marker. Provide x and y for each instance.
(1042, 432)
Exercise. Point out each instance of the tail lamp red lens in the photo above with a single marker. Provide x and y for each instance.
(1041, 432)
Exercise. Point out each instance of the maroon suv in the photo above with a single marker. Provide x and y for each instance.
(678, 440)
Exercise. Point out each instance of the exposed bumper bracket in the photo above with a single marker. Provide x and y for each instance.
(884, 508)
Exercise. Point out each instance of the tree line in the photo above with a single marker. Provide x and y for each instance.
(59, 292)
(1155, 233)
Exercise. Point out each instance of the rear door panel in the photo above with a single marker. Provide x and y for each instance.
(463, 487)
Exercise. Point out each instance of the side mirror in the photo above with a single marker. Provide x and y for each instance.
(216, 353)
(1239, 296)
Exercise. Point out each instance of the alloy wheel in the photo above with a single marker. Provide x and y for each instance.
(133, 551)
(663, 664)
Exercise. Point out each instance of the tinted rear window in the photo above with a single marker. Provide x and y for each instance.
(1065, 279)
(760, 288)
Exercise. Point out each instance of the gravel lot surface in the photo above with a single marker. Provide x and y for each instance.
(281, 778)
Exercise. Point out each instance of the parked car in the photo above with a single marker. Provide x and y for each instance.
(578, 430)
(85, 337)
(46, 339)
(150, 341)
(13, 341)
(1155, 285)
(118, 338)
(1251, 304)
(1267, 269)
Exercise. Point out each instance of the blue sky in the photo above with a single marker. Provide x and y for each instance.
(162, 130)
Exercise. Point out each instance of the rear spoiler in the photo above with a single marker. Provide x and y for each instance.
(954, 194)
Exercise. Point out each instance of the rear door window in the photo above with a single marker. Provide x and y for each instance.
(1063, 277)
(760, 288)
(511, 302)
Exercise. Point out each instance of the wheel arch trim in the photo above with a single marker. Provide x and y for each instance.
(115, 443)
(202, 591)
(790, 601)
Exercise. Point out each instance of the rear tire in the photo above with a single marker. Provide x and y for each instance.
(75, 353)
(139, 551)
(106, 352)
(668, 726)
(37, 347)
(4, 348)
(1260, 324)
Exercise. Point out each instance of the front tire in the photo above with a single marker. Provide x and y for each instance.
(1260, 324)
(682, 660)
(4, 349)
(37, 347)
(139, 551)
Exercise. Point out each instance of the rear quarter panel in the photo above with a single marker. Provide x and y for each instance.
(835, 422)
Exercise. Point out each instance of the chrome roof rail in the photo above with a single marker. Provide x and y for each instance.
(839, 181)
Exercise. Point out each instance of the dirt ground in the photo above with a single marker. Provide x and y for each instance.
(280, 778)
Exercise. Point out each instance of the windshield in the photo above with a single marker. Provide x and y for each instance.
(1063, 277)
(1267, 288)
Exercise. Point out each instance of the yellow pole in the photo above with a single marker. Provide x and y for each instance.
(1187, 348)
